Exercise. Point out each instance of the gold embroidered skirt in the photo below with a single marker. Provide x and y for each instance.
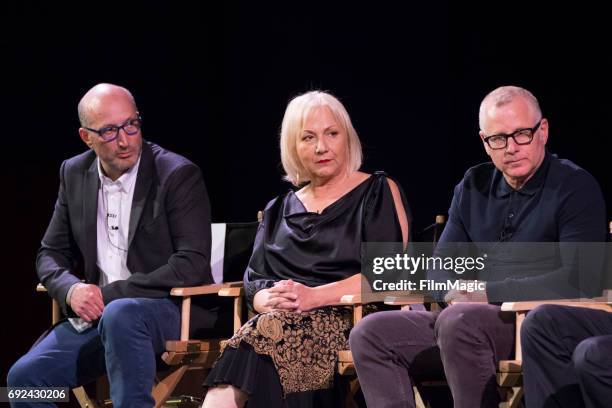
(303, 346)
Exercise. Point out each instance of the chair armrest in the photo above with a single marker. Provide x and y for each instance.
(530, 305)
(349, 300)
(227, 289)
(233, 291)
(356, 300)
(353, 300)
(390, 298)
(210, 289)
(406, 300)
(56, 313)
(187, 292)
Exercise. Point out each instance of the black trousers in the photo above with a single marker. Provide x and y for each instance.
(567, 357)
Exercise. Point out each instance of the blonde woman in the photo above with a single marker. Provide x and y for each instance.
(306, 257)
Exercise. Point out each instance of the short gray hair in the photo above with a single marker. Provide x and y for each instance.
(504, 95)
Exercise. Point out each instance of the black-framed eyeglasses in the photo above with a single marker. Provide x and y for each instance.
(111, 132)
(520, 137)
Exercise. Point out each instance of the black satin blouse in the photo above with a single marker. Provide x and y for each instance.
(316, 249)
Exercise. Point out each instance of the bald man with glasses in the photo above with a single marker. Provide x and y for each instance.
(131, 221)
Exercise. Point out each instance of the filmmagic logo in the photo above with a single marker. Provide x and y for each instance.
(430, 285)
(404, 262)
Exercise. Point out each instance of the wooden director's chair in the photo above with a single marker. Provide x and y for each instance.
(510, 372)
(232, 245)
(346, 364)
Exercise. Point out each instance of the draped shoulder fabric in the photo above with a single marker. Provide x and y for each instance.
(316, 249)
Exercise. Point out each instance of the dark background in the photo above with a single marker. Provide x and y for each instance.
(212, 81)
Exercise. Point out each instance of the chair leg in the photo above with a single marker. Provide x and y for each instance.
(418, 400)
(83, 399)
(514, 398)
(164, 388)
(353, 389)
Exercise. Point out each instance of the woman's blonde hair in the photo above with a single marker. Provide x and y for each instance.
(293, 125)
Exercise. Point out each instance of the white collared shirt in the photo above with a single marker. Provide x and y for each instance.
(112, 230)
(113, 224)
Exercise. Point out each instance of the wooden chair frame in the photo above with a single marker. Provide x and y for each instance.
(188, 354)
(184, 354)
(510, 372)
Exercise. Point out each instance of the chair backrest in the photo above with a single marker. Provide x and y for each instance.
(432, 233)
(232, 245)
(438, 228)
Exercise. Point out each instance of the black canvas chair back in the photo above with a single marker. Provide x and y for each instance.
(231, 250)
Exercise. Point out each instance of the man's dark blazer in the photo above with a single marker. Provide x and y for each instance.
(169, 235)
